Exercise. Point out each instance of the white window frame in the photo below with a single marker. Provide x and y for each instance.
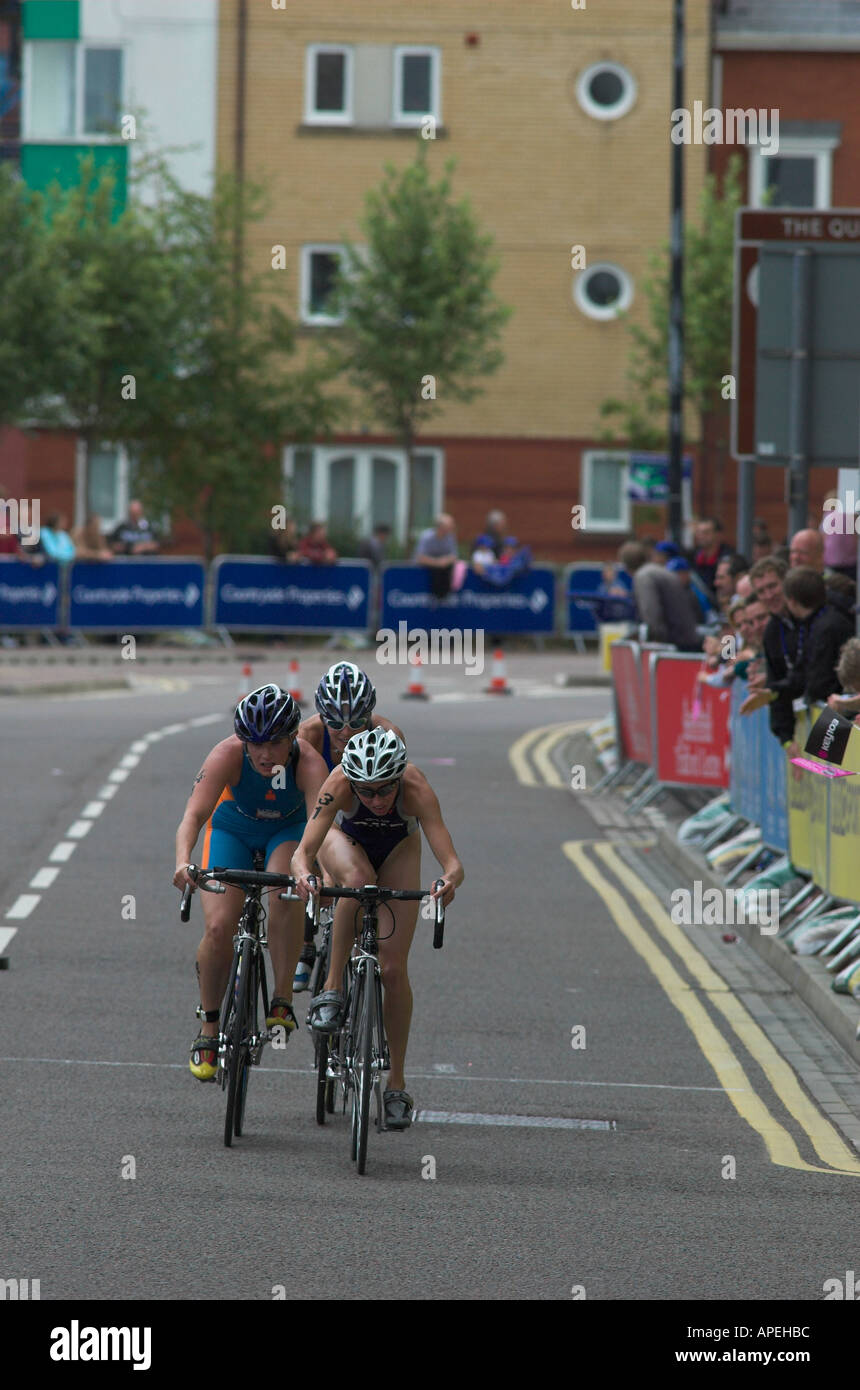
(324, 455)
(78, 134)
(606, 312)
(590, 459)
(593, 108)
(330, 248)
(819, 148)
(312, 115)
(399, 117)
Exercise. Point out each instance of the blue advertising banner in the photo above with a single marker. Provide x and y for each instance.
(526, 605)
(128, 595)
(29, 594)
(758, 788)
(582, 580)
(267, 595)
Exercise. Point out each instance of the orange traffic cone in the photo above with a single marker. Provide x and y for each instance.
(415, 689)
(245, 686)
(498, 681)
(294, 687)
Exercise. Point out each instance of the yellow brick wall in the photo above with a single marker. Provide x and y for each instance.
(539, 172)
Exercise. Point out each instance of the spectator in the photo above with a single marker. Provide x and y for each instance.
(770, 686)
(709, 549)
(699, 606)
(839, 539)
(89, 542)
(664, 606)
(372, 548)
(762, 544)
(664, 551)
(497, 557)
(848, 675)
(437, 552)
(315, 546)
(283, 542)
(55, 541)
(825, 629)
(135, 535)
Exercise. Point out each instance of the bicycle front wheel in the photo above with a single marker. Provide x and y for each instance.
(364, 1071)
(245, 1057)
(237, 1042)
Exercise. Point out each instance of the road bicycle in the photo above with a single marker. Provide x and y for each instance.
(242, 1031)
(357, 1055)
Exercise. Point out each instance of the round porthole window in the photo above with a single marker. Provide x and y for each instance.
(606, 91)
(603, 290)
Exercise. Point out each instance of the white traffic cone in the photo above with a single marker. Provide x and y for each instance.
(499, 681)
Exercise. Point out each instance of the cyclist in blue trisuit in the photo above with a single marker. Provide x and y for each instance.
(377, 800)
(345, 701)
(255, 790)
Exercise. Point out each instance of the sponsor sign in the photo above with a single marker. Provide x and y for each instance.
(29, 594)
(525, 605)
(129, 595)
(267, 595)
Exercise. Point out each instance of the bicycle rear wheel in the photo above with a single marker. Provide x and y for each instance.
(237, 1042)
(323, 1084)
(364, 1068)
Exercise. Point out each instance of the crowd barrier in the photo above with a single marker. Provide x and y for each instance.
(678, 732)
(249, 593)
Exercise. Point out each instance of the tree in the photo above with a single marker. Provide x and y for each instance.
(420, 319)
(642, 417)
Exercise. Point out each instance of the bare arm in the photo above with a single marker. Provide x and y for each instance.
(334, 795)
(312, 774)
(221, 768)
(422, 801)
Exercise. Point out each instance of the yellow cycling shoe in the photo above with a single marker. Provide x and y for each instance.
(281, 1015)
(204, 1057)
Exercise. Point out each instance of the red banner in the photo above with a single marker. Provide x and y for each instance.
(692, 724)
(634, 728)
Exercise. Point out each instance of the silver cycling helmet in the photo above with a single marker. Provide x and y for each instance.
(265, 715)
(344, 693)
(378, 755)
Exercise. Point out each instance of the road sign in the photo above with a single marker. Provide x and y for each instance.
(754, 227)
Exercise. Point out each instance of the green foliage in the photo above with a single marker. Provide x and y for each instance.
(642, 418)
(417, 301)
(154, 336)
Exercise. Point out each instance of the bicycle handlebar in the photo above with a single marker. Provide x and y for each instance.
(372, 892)
(216, 881)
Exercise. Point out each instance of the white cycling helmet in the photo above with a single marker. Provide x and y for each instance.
(375, 756)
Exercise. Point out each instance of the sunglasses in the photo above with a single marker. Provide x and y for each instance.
(385, 789)
(337, 724)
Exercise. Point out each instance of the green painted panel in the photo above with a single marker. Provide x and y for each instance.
(41, 164)
(51, 19)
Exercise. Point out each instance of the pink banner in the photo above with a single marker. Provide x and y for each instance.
(692, 724)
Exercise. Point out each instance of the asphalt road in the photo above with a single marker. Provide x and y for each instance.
(96, 1017)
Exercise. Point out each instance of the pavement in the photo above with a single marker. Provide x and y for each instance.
(807, 976)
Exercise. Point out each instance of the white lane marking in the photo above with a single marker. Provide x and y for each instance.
(43, 878)
(23, 905)
(139, 746)
(79, 829)
(413, 1075)
(203, 719)
(93, 809)
(63, 851)
(130, 760)
(6, 934)
(172, 729)
(119, 774)
(452, 1117)
(108, 790)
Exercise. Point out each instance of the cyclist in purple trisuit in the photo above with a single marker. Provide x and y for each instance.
(378, 800)
(255, 790)
(345, 701)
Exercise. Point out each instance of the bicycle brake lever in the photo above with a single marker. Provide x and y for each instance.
(185, 905)
(439, 929)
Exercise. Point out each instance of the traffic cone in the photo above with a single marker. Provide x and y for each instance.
(294, 687)
(415, 689)
(498, 681)
(245, 686)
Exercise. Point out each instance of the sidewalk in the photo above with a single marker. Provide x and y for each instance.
(54, 670)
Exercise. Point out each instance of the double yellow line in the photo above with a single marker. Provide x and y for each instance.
(716, 1048)
(535, 748)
